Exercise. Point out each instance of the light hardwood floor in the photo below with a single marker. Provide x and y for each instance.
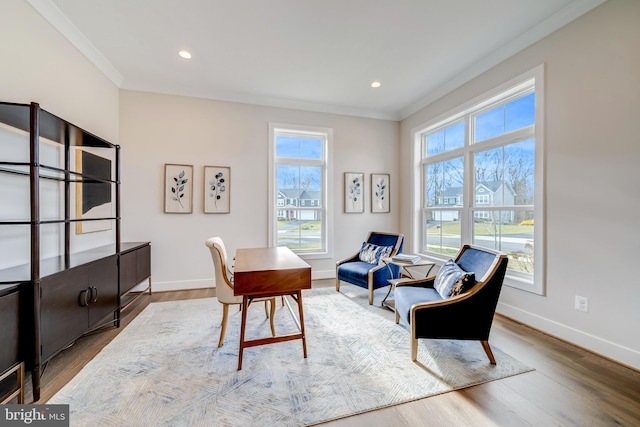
(569, 387)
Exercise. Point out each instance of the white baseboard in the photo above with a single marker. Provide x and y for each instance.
(616, 352)
(182, 285)
(325, 274)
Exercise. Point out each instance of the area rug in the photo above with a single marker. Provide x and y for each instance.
(165, 369)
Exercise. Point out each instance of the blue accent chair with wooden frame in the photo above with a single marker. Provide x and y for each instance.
(467, 313)
(361, 271)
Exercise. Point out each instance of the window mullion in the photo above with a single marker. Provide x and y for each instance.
(299, 161)
(469, 199)
(504, 139)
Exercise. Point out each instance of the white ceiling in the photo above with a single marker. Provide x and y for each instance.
(317, 55)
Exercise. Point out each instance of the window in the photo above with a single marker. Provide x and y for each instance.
(298, 182)
(480, 179)
(482, 199)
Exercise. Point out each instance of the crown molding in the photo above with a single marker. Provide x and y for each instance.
(60, 22)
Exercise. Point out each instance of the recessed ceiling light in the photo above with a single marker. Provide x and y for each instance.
(376, 84)
(185, 54)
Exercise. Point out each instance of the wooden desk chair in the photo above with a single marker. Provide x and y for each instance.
(224, 287)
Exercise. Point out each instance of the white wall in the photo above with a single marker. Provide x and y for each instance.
(158, 129)
(592, 157)
(39, 65)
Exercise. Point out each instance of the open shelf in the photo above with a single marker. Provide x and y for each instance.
(62, 184)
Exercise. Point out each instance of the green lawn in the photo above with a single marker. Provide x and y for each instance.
(306, 226)
(482, 229)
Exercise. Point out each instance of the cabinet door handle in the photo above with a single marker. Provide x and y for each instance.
(82, 298)
(94, 294)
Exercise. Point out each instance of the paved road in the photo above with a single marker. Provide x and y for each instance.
(288, 233)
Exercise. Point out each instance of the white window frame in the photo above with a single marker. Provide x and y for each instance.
(482, 199)
(325, 164)
(467, 111)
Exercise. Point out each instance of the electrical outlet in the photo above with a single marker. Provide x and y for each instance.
(582, 303)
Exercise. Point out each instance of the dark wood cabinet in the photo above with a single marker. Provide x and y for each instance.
(128, 271)
(10, 352)
(135, 267)
(143, 263)
(102, 291)
(76, 301)
(14, 327)
(53, 290)
(60, 313)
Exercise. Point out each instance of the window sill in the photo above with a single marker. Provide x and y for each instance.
(314, 255)
(522, 284)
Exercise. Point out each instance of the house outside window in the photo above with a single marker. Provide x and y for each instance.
(298, 182)
(480, 175)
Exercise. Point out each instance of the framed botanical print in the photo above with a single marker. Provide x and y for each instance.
(380, 192)
(217, 189)
(178, 188)
(353, 192)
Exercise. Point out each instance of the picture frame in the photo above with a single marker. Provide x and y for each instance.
(94, 197)
(353, 192)
(217, 189)
(178, 188)
(380, 192)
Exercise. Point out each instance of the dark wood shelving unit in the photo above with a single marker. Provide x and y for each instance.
(60, 291)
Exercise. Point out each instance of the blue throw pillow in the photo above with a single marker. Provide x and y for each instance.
(371, 253)
(451, 280)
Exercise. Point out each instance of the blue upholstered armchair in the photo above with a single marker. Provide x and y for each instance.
(364, 268)
(458, 303)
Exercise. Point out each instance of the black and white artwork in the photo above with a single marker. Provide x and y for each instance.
(93, 192)
(217, 189)
(353, 192)
(380, 192)
(178, 188)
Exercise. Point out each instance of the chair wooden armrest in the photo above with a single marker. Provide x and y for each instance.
(426, 282)
(351, 258)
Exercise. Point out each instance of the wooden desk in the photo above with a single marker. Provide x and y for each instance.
(270, 272)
